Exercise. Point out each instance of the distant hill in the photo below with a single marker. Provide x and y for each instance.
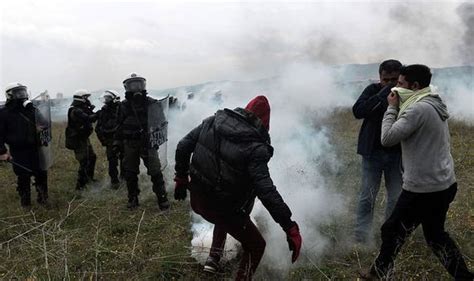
(351, 77)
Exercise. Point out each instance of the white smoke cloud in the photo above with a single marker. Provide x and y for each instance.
(461, 103)
(63, 47)
(69, 45)
(302, 96)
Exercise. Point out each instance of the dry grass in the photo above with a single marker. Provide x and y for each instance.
(415, 261)
(91, 235)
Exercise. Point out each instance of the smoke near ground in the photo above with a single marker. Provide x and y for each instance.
(299, 99)
(291, 47)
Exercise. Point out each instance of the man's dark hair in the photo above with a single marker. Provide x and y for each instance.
(390, 66)
(417, 73)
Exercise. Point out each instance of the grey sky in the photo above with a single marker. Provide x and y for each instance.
(66, 45)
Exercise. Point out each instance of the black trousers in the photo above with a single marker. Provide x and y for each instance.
(28, 157)
(86, 157)
(429, 210)
(133, 151)
(115, 159)
(24, 186)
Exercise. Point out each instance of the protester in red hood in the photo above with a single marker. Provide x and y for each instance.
(261, 108)
(228, 170)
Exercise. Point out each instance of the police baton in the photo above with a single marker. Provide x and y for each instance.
(18, 165)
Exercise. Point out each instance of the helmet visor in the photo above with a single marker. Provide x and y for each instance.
(135, 85)
(106, 99)
(19, 93)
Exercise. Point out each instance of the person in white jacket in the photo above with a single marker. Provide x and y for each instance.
(417, 118)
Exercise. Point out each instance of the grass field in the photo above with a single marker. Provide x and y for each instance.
(91, 235)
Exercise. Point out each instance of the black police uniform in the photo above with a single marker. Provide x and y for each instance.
(18, 131)
(80, 119)
(132, 134)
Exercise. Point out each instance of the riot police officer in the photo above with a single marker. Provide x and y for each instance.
(105, 129)
(132, 133)
(19, 129)
(80, 119)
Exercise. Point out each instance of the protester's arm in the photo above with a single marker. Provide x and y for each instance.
(370, 105)
(271, 199)
(265, 190)
(184, 150)
(393, 130)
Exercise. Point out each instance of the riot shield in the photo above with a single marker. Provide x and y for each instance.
(43, 129)
(158, 130)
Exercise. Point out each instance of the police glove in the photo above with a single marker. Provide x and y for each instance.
(5, 157)
(181, 185)
(93, 117)
(117, 147)
(294, 241)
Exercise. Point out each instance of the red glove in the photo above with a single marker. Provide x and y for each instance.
(294, 241)
(180, 189)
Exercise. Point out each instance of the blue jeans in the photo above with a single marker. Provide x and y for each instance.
(373, 166)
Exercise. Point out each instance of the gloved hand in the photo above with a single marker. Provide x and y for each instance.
(117, 147)
(93, 117)
(294, 241)
(181, 186)
(5, 157)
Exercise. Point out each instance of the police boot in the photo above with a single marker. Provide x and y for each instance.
(133, 202)
(24, 191)
(160, 191)
(82, 177)
(25, 201)
(133, 191)
(163, 202)
(114, 183)
(41, 183)
(90, 170)
(42, 196)
(80, 186)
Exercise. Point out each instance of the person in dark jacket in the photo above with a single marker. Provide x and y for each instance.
(132, 135)
(18, 130)
(376, 159)
(79, 127)
(228, 170)
(107, 122)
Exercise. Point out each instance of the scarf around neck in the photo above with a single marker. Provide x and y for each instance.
(409, 97)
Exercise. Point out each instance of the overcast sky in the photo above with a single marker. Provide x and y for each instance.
(65, 45)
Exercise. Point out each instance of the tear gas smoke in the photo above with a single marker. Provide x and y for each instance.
(268, 41)
(300, 98)
(302, 95)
